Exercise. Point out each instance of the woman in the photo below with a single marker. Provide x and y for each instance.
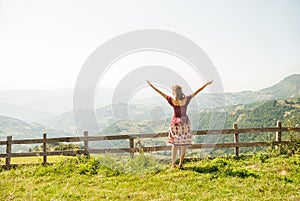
(180, 133)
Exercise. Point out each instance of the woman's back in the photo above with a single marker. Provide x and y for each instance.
(179, 106)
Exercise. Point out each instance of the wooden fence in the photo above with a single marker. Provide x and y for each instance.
(132, 149)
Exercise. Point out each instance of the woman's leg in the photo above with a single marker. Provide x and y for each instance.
(182, 154)
(174, 153)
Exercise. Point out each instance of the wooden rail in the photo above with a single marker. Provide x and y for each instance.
(86, 139)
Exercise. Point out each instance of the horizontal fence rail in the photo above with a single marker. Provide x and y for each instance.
(132, 149)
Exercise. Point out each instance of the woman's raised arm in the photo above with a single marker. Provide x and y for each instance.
(157, 90)
(200, 89)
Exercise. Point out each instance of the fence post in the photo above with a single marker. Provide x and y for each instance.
(236, 140)
(131, 145)
(45, 148)
(278, 133)
(8, 151)
(86, 142)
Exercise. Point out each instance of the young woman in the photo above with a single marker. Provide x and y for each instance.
(180, 133)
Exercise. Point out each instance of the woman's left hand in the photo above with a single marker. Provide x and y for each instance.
(209, 82)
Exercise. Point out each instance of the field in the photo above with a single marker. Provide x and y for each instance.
(105, 177)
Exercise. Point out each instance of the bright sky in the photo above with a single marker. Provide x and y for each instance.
(43, 44)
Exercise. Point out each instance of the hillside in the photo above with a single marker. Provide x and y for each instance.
(55, 101)
(261, 114)
(151, 118)
(23, 130)
(287, 88)
(260, 177)
(40, 105)
(24, 113)
(106, 116)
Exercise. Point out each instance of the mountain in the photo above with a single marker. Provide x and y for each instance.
(23, 130)
(289, 87)
(50, 101)
(110, 114)
(24, 113)
(114, 114)
(261, 114)
(20, 129)
(40, 104)
(149, 109)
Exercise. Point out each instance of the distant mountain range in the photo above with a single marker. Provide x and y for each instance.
(23, 130)
(38, 105)
(51, 101)
(153, 109)
(24, 113)
(289, 87)
(20, 129)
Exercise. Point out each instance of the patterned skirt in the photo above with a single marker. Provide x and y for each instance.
(180, 132)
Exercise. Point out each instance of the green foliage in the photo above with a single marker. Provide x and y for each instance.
(20, 129)
(106, 177)
(221, 167)
(287, 149)
(58, 147)
(106, 165)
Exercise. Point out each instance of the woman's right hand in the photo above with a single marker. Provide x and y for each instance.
(157, 90)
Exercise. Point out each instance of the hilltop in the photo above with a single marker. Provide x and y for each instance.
(289, 87)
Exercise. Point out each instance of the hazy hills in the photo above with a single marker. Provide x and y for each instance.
(52, 101)
(24, 113)
(38, 105)
(287, 88)
(20, 129)
(247, 108)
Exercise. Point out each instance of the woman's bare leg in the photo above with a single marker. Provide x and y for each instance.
(174, 153)
(182, 154)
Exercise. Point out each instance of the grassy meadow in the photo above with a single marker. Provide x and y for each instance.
(106, 177)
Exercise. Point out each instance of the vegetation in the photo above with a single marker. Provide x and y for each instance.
(59, 146)
(263, 114)
(257, 177)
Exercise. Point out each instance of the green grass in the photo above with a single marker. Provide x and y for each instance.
(32, 159)
(258, 177)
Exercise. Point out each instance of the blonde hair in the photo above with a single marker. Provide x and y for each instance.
(177, 92)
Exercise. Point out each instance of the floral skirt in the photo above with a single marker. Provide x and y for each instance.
(180, 132)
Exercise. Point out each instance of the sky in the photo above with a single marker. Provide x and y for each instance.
(44, 44)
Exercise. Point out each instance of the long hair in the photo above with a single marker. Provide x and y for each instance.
(177, 92)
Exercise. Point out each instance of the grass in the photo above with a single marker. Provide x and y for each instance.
(32, 159)
(258, 177)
